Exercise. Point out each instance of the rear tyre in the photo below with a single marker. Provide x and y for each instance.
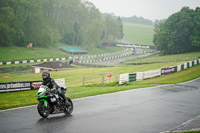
(42, 110)
(69, 108)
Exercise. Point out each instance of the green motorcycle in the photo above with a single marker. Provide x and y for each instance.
(51, 103)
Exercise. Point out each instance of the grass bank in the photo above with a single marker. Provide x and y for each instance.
(138, 34)
(23, 53)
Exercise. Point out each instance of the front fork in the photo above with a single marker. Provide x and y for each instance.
(45, 102)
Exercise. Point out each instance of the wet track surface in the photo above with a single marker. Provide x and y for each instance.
(147, 110)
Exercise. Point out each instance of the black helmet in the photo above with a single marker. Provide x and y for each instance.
(45, 76)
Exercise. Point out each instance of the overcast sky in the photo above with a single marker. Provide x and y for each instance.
(149, 9)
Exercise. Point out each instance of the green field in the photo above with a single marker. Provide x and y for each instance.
(167, 58)
(23, 53)
(138, 34)
(74, 77)
(25, 98)
(134, 33)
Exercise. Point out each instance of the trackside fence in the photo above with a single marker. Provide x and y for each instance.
(138, 76)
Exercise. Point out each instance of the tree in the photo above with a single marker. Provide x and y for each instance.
(121, 33)
(176, 34)
(195, 37)
(46, 22)
(7, 32)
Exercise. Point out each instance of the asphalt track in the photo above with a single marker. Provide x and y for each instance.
(147, 110)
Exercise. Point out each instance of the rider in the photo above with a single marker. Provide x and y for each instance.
(48, 81)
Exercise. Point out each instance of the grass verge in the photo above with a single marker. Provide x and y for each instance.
(25, 98)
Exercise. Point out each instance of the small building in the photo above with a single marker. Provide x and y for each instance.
(50, 66)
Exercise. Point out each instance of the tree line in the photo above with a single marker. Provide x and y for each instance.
(137, 20)
(179, 33)
(46, 22)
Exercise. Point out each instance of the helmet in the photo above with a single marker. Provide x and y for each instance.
(45, 76)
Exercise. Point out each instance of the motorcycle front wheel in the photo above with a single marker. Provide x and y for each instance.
(69, 108)
(42, 110)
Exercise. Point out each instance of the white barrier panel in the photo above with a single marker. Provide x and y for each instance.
(190, 63)
(16, 62)
(195, 62)
(152, 73)
(139, 76)
(60, 82)
(8, 63)
(178, 68)
(185, 65)
(123, 78)
(25, 61)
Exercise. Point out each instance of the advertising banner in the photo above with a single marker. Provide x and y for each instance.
(132, 76)
(167, 70)
(170, 69)
(15, 85)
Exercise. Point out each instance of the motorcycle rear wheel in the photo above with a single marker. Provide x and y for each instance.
(42, 110)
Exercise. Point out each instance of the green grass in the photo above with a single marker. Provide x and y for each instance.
(74, 78)
(186, 132)
(18, 99)
(20, 53)
(23, 53)
(25, 98)
(95, 50)
(168, 58)
(138, 34)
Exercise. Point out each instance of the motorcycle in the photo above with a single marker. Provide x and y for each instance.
(51, 103)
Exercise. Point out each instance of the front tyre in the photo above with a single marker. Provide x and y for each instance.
(69, 108)
(42, 110)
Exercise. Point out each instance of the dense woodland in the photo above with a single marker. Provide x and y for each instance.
(47, 22)
(179, 33)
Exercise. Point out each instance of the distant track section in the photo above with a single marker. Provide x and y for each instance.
(129, 45)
